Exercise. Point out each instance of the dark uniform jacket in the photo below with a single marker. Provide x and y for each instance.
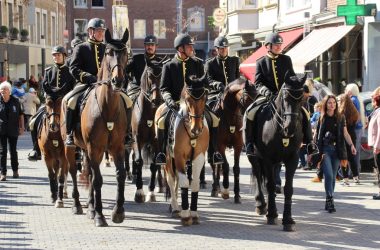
(172, 79)
(222, 71)
(58, 81)
(86, 61)
(271, 71)
(9, 116)
(136, 66)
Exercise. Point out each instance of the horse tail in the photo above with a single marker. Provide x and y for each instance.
(84, 177)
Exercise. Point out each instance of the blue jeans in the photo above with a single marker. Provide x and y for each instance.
(358, 133)
(330, 166)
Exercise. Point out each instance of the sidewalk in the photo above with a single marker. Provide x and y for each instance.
(29, 221)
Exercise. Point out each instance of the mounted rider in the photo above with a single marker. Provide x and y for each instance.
(84, 66)
(220, 70)
(174, 73)
(271, 70)
(136, 66)
(57, 83)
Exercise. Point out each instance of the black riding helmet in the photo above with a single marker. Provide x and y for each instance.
(58, 49)
(183, 39)
(151, 39)
(96, 23)
(221, 42)
(273, 38)
(75, 42)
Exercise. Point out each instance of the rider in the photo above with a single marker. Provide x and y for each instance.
(136, 66)
(172, 82)
(220, 70)
(85, 64)
(271, 70)
(57, 83)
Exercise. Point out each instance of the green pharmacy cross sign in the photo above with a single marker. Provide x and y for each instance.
(353, 10)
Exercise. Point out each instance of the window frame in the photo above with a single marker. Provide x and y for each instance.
(143, 34)
(159, 35)
(84, 6)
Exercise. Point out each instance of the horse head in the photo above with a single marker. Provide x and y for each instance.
(288, 103)
(241, 91)
(150, 85)
(249, 94)
(115, 59)
(53, 109)
(195, 100)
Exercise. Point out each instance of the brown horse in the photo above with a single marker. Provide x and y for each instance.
(52, 148)
(187, 156)
(143, 128)
(103, 128)
(230, 107)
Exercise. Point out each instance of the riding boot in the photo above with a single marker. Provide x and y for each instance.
(128, 141)
(248, 134)
(217, 158)
(330, 207)
(36, 152)
(161, 138)
(70, 128)
(311, 147)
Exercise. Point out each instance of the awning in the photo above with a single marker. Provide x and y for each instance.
(248, 67)
(317, 42)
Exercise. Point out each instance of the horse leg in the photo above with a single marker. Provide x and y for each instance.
(257, 183)
(215, 180)
(236, 170)
(127, 166)
(52, 181)
(184, 185)
(152, 184)
(139, 195)
(70, 157)
(134, 169)
(272, 215)
(97, 183)
(160, 180)
(118, 214)
(172, 186)
(198, 164)
(107, 156)
(226, 183)
(288, 223)
(203, 183)
(65, 194)
(61, 185)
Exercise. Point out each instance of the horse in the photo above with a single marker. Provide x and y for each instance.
(277, 138)
(143, 129)
(186, 157)
(52, 148)
(103, 128)
(230, 107)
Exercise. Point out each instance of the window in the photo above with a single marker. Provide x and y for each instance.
(38, 25)
(53, 31)
(159, 28)
(196, 19)
(20, 18)
(250, 3)
(80, 26)
(10, 16)
(80, 3)
(139, 28)
(44, 26)
(1, 13)
(291, 4)
(97, 3)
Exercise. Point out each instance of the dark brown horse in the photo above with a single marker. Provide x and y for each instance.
(52, 148)
(230, 107)
(103, 128)
(143, 128)
(186, 158)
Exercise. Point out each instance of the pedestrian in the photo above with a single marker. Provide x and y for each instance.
(11, 126)
(31, 101)
(330, 137)
(353, 91)
(348, 109)
(33, 83)
(374, 135)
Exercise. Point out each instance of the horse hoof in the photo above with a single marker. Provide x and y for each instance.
(237, 199)
(59, 204)
(214, 193)
(272, 221)
(203, 185)
(261, 210)
(196, 221)
(152, 198)
(118, 216)
(139, 198)
(188, 221)
(225, 196)
(100, 221)
(53, 199)
(90, 214)
(175, 214)
(65, 195)
(129, 176)
(77, 210)
(289, 227)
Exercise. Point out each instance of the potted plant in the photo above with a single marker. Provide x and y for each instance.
(13, 33)
(24, 35)
(3, 31)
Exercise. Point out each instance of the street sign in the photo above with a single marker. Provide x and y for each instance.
(352, 10)
(219, 16)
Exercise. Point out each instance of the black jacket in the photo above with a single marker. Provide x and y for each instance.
(222, 71)
(271, 71)
(9, 116)
(58, 81)
(136, 66)
(172, 79)
(86, 61)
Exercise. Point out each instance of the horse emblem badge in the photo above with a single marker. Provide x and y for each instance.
(110, 126)
(232, 129)
(55, 143)
(149, 123)
(285, 142)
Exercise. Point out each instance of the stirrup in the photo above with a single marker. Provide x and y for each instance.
(249, 149)
(69, 141)
(33, 156)
(312, 149)
(161, 159)
(217, 158)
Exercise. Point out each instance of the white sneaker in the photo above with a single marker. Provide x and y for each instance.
(345, 184)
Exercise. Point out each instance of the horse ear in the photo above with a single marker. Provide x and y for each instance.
(108, 37)
(125, 36)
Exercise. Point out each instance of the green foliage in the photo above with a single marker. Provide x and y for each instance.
(24, 32)
(210, 21)
(3, 29)
(14, 31)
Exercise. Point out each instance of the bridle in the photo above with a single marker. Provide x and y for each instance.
(191, 116)
(112, 80)
(150, 90)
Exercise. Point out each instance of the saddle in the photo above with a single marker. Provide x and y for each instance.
(169, 124)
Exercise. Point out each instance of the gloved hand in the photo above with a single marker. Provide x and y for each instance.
(173, 105)
(88, 78)
(220, 87)
(266, 92)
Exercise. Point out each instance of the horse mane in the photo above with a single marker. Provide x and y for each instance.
(103, 70)
(236, 85)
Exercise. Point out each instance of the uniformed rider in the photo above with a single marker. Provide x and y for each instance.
(136, 66)
(84, 66)
(57, 83)
(220, 70)
(271, 70)
(184, 64)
